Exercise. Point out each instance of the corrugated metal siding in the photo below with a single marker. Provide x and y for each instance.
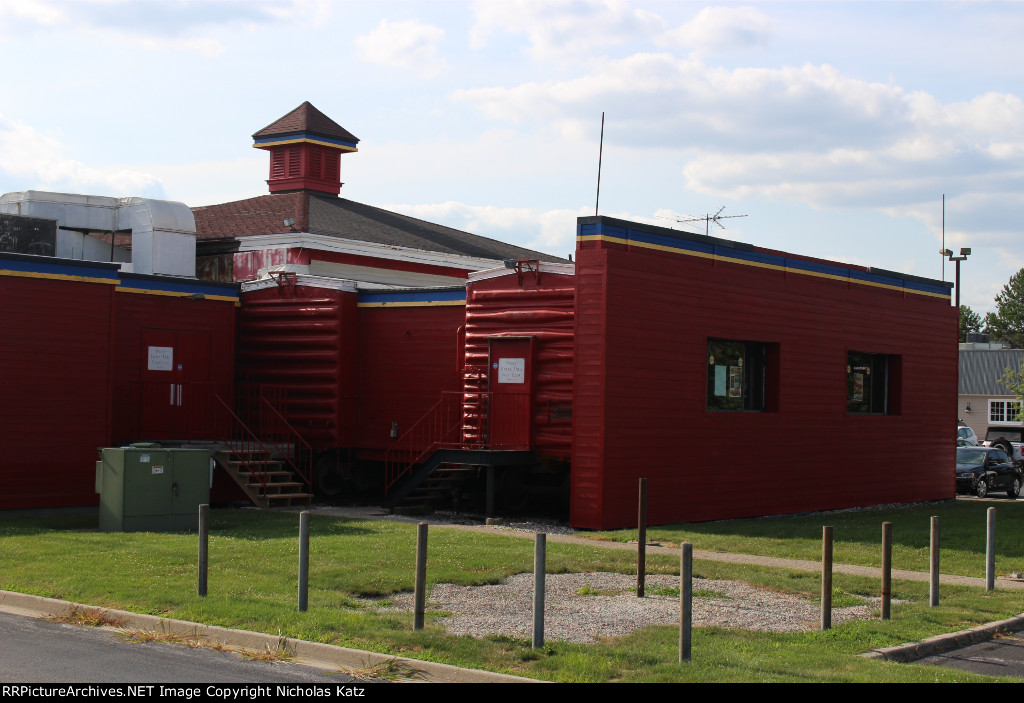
(305, 340)
(408, 356)
(542, 307)
(54, 354)
(660, 310)
(981, 371)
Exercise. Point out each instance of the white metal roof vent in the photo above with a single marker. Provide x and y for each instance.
(163, 232)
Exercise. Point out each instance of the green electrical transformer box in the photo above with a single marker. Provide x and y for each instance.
(151, 489)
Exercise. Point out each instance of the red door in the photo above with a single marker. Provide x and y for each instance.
(175, 392)
(510, 382)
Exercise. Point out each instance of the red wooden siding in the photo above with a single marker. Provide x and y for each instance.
(304, 339)
(202, 334)
(644, 318)
(534, 305)
(408, 355)
(56, 389)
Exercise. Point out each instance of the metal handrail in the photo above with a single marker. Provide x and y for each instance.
(303, 455)
(245, 446)
(459, 420)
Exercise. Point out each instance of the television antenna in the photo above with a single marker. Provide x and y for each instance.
(709, 219)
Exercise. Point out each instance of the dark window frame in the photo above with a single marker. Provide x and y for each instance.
(873, 383)
(742, 376)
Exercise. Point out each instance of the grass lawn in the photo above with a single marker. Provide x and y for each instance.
(252, 585)
(857, 536)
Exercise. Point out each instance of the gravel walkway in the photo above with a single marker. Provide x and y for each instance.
(614, 610)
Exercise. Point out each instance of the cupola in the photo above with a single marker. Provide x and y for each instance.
(304, 147)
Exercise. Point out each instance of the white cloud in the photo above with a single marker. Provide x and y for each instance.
(41, 162)
(408, 45)
(721, 29)
(38, 11)
(808, 133)
(548, 231)
(562, 29)
(195, 26)
(661, 101)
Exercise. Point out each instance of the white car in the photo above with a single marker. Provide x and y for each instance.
(965, 435)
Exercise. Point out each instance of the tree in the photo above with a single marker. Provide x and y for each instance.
(1014, 380)
(1006, 324)
(970, 321)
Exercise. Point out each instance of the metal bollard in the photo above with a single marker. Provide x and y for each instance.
(886, 570)
(539, 559)
(685, 601)
(826, 577)
(303, 561)
(204, 547)
(641, 540)
(933, 579)
(990, 550)
(420, 588)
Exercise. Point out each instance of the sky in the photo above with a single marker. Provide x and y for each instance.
(827, 129)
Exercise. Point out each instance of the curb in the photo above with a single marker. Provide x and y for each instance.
(939, 644)
(325, 656)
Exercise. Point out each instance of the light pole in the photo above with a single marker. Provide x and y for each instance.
(964, 253)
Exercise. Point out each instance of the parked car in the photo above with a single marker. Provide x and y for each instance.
(983, 469)
(966, 435)
(1009, 439)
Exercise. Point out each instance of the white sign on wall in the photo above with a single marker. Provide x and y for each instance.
(511, 370)
(161, 358)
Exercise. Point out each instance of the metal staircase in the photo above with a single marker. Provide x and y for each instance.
(252, 440)
(265, 456)
(444, 448)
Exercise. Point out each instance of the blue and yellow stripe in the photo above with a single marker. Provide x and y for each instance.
(305, 137)
(180, 288)
(29, 266)
(411, 298)
(729, 252)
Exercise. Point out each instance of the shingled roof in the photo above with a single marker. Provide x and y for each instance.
(306, 118)
(346, 219)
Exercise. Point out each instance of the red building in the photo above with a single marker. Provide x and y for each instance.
(739, 381)
(743, 381)
(95, 357)
(354, 313)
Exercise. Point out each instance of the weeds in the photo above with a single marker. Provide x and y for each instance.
(282, 653)
(393, 669)
(181, 639)
(87, 617)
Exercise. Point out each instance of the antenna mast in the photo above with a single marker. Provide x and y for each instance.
(708, 219)
(600, 154)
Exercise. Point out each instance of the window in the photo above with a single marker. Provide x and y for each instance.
(1004, 411)
(872, 383)
(742, 375)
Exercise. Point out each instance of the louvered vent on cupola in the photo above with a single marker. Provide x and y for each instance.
(304, 147)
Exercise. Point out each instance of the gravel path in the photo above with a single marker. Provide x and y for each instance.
(507, 609)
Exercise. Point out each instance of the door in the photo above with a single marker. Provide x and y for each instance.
(510, 382)
(175, 392)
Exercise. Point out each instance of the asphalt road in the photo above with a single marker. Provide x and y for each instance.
(1002, 656)
(40, 651)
